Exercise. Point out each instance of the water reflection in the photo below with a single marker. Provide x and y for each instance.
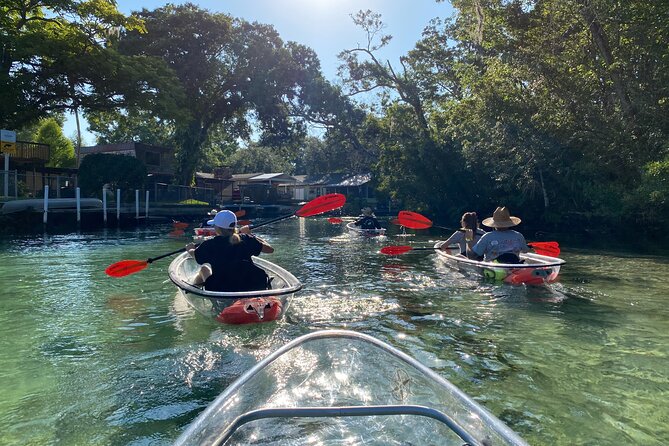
(126, 361)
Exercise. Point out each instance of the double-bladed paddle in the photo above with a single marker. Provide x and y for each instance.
(398, 250)
(318, 205)
(414, 220)
(550, 249)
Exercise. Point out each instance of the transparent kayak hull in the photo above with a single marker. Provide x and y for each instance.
(236, 307)
(342, 387)
(365, 232)
(536, 269)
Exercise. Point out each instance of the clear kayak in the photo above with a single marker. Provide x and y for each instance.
(364, 232)
(243, 307)
(202, 234)
(536, 269)
(343, 387)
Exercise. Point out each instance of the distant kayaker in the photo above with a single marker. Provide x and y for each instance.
(367, 220)
(211, 214)
(503, 245)
(469, 232)
(226, 259)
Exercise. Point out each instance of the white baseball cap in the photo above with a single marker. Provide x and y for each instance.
(224, 219)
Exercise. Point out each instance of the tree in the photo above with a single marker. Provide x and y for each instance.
(235, 75)
(60, 55)
(61, 148)
(255, 159)
(119, 171)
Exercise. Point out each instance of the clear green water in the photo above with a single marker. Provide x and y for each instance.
(90, 360)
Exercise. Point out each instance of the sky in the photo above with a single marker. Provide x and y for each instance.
(323, 25)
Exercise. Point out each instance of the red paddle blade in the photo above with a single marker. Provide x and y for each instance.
(176, 233)
(319, 205)
(551, 249)
(126, 267)
(395, 250)
(395, 221)
(240, 213)
(413, 220)
(180, 225)
(335, 220)
(243, 222)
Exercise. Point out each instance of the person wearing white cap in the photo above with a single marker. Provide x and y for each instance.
(502, 245)
(226, 259)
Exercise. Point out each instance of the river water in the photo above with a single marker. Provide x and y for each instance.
(90, 360)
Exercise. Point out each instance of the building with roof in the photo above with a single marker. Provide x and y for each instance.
(263, 187)
(352, 185)
(159, 160)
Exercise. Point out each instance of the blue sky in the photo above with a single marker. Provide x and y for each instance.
(323, 25)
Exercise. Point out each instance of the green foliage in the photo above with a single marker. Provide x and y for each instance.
(256, 159)
(131, 125)
(234, 75)
(50, 132)
(60, 55)
(118, 171)
(550, 107)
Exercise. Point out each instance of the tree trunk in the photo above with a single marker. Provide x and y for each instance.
(602, 43)
(543, 189)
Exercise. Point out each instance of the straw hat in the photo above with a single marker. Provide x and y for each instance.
(501, 219)
(367, 211)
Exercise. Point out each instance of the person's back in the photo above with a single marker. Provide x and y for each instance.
(503, 245)
(469, 233)
(367, 220)
(226, 259)
(232, 264)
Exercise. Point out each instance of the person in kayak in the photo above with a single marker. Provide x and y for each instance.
(211, 214)
(226, 260)
(367, 220)
(502, 245)
(469, 232)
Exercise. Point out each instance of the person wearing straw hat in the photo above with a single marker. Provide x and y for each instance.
(367, 220)
(226, 260)
(503, 245)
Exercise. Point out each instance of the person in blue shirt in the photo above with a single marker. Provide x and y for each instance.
(226, 259)
(503, 245)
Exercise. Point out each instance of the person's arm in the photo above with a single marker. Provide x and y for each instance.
(452, 240)
(524, 247)
(473, 249)
(265, 247)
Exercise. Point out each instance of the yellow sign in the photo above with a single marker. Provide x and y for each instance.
(8, 147)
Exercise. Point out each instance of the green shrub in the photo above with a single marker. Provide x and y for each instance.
(118, 171)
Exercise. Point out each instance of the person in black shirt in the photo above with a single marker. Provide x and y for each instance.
(226, 259)
(367, 220)
(211, 214)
